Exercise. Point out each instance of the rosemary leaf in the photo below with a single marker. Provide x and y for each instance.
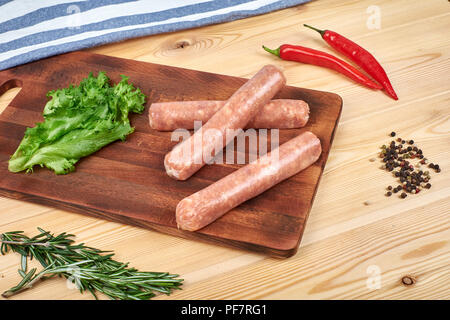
(23, 263)
(22, 273)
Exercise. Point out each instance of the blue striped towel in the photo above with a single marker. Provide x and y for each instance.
(35, 29)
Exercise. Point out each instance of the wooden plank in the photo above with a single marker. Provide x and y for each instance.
(414, 47)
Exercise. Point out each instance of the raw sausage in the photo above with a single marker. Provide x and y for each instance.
(189, 156)
(277, 114)
(200, 209)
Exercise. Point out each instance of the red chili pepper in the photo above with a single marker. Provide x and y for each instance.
(323, 59)
(359, 55)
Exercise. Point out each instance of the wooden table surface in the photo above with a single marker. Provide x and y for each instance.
(358, 243)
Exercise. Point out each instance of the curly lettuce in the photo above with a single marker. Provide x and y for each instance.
(78, 121)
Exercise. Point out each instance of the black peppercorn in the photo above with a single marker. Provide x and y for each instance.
(412, 178)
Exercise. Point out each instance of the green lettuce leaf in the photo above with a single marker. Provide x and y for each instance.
(78, 121)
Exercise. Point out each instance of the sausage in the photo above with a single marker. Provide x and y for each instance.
(205, 206)
(189, 156)
(277, 114)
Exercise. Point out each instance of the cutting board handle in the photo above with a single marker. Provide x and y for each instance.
(7, 83)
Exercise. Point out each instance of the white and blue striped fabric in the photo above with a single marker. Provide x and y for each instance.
(35, 29)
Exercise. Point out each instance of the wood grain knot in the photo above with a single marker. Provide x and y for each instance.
(182, 44)
(188, 44)
(408, 280)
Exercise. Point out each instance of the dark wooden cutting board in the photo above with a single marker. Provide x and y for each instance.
(126, 181)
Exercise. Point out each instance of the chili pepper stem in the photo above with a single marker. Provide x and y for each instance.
(275, 52)
(315, 29)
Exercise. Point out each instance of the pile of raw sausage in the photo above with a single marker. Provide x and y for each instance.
(249, 107)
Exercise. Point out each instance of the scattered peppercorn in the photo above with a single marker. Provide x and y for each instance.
(412, 178)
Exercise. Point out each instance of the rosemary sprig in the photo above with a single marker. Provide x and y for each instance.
(90, 269)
